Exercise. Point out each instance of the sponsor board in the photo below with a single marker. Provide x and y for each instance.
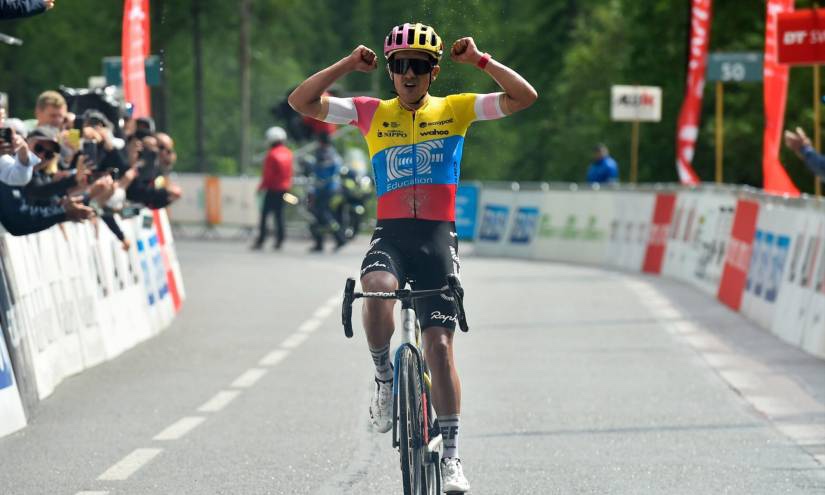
(738, 254)
(629, 229)
(659, 228)
(466, 210)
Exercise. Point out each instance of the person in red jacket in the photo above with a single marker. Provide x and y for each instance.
(276, 181)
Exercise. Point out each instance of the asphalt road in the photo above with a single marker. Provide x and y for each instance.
(576, 380)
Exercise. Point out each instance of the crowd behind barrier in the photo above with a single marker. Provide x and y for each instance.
(72, 297)
(761, 255)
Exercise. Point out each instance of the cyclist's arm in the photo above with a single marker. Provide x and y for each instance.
(307, 98)
(518, 93)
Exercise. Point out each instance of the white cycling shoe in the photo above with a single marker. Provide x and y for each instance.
(452, 476)
(381, 406)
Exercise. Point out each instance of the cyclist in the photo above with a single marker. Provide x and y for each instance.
(415, 143)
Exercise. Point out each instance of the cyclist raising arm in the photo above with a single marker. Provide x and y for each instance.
(415, 143)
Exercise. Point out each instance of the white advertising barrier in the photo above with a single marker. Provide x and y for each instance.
(629, 229)
(78, 298)
(494, 214)
(574, 226)
(796, 292)
(520, 238)
(681, 250)
(714, 221)
(239, 203)
(813, 339)
(191, 207)
(775, 230)
(153, 272)
(12, 416)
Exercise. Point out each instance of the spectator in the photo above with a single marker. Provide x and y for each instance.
(16, 161)
(50, 109)
(603, 169)
(326, 184)
(15, 9)
(143, 184)
(276, 181)
(167, 157)
(47, 186)
(800, 144)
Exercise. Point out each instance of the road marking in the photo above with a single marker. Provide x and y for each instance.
(294, 340)
(322, 312)
(129, 465)
(334, 300)
(273, 357)
(249, 377)
(219, 401)
(310, 326)
(92, 493)
(180, 428)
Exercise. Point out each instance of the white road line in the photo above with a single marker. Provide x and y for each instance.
(180, 428)
(129, 465)
(249, 377)
(334, 300)
(294, 340)
(310, 326)
(273, 357)
(322, 312)
(219, 401)
(92, 493)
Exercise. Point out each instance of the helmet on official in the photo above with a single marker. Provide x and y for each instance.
(275, 135)
(416, 37)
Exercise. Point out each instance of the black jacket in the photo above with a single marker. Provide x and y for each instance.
(14, 9)
(20, 217)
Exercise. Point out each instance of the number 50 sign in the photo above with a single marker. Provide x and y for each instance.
(735, 67)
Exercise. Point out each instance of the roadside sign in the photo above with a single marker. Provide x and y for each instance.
(636, 103)
(735, 67)
(801, 37)
(113, 70)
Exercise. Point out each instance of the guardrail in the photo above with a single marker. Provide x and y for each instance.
(761, 255)
(71, 298)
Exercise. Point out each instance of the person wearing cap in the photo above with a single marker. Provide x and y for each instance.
(276, 180)
(603, 169)
(16, 161)
(800, 144)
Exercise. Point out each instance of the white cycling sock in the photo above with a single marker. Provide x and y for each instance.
(381, 358)
(449, 432)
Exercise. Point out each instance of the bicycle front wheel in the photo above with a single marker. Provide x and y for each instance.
(410, 422)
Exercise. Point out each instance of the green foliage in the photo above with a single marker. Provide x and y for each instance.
(572, 51)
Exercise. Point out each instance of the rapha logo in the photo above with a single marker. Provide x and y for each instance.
(374, 242)
(401, 160)
(436, 315)
(377, 264)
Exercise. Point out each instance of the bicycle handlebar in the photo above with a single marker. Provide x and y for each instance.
(453, 289)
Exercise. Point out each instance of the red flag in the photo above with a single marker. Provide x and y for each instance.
(687, 128)
(775, 85)
(135, 49)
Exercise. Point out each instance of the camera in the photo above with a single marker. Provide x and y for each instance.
(5, 134)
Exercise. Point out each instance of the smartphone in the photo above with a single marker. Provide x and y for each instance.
(5, 134)
(147, 170)
(90, 151)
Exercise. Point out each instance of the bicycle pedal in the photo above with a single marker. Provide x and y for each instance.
(435, 444)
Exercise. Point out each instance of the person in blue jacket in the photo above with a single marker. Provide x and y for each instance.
(603, 169)
(800, 144)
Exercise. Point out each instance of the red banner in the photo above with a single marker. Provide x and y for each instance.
(662, 216)
(738, 254)
(801, 37)
(775, 85)
(687, 128)
(135, 49)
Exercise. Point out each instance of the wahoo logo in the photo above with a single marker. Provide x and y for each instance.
(401, 160)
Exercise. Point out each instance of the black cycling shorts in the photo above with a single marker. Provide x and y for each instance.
(421, 253)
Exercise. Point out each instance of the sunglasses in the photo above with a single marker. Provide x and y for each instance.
(402, 65)
(47, 152)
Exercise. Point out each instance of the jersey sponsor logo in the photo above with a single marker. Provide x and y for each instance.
(402, 159)
(392, 125)
(392, 134)
(424, 125)
(493, 222)
(433, 132)
(438, 316)
(524, 225)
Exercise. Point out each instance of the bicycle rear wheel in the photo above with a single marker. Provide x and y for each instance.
(411, 424)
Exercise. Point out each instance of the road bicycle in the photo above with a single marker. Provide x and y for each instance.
(415, 431)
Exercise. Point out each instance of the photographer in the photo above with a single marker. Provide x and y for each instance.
(16, 161)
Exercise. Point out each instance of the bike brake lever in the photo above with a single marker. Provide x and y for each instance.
(346, 309)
